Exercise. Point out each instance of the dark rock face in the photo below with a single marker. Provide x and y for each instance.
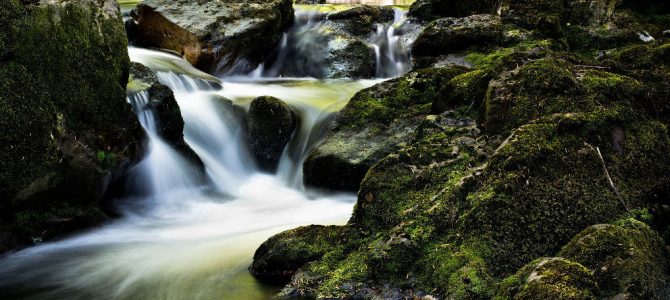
(428, 10)
(215, 36)
(360, 20)
(67, 129)
(271, 123)
(331, 45)
(449, 35)
(163, 102)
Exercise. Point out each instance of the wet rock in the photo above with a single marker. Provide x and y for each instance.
(627, 258)
(280, 257)
(361, 20)
(271, 123)
(163, 102)
(221, 36)
(67, 127)
(550, 278)
(372, 125)
(450, 35)
(350, 58)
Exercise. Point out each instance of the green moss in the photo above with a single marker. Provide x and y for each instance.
(107, 160)
(628, 258)
(62, 98)
(549, 278)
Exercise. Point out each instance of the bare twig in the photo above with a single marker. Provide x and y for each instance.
(607, 174)
(592, 67)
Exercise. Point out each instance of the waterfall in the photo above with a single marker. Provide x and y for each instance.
(163, 171)
(391, 59)
(305, 49)
(213, 130)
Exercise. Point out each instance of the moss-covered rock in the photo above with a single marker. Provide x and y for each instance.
(627, 257)
(449, 35)
(550, 278)
(462, 200)
(282, 255)
(362, 19)
(375, 122)
(67, 128)
(215, 36)
(428, 10)
(271, 123)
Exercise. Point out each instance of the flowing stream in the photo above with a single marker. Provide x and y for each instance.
(192, 236)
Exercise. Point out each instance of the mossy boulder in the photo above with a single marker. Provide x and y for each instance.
(450, 35)
(467, 198)
(271, 123)
(361, 20)
(280, 257)
(67, 128)
(628, 259)
(429, 10)
(215, 36)
(375, 123)
(550, 278)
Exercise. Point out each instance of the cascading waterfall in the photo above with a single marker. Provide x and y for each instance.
(188, 237)
(391, 59)
(304, 49)
(163, 171)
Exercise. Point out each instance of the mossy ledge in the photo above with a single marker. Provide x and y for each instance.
(67, 129)
(486, 171)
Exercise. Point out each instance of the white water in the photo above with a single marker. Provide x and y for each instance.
(192, 238)
(391, 59)
(304, 49)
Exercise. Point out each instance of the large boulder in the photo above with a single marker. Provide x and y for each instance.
(628, 259)
(471, 196)
(215, 36)
(271, 123)
(67, 128)
(429, 10)
(450, 35)
(375, 122)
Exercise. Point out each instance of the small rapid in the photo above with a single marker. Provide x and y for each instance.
(191, 237)
(190, 232)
